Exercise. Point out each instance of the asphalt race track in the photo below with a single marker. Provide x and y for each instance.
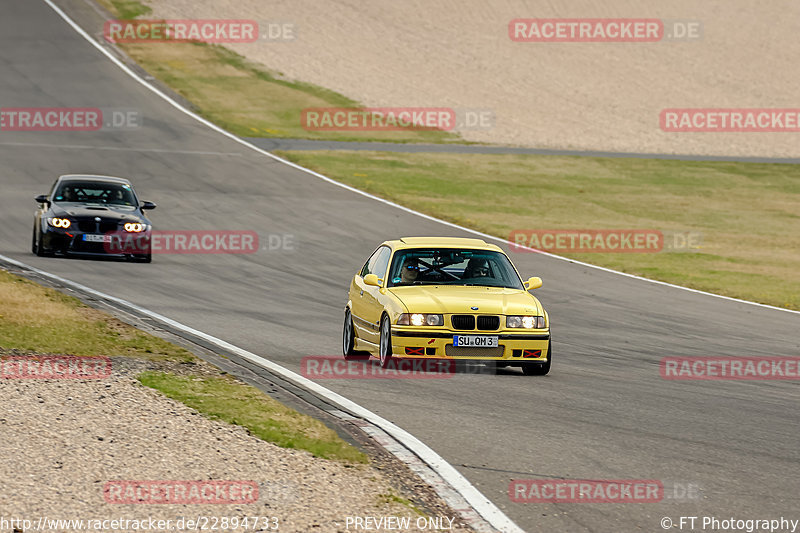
(604, 412)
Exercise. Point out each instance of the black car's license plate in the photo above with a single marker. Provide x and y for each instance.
(91, 237)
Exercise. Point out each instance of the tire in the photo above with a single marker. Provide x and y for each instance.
(141, 258)
(386, 342)
(33, 240)
(539, 369)
(38, 245)
(349, 340)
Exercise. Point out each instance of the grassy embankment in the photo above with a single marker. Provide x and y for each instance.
(39, 320)
(748, 213)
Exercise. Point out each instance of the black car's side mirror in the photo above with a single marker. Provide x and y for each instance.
(41, 199)
(148, 205)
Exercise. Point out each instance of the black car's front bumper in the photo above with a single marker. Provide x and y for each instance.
(68, 242)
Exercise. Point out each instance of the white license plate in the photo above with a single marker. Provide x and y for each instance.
(476, 341)
(91, 237)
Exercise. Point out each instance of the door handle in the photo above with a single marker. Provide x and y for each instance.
(361, 293)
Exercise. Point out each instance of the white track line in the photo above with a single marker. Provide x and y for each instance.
(231, 136)
(483, 505)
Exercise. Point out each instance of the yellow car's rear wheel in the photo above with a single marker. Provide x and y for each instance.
(349, 339)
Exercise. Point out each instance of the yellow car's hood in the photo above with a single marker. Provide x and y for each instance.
(446, 299)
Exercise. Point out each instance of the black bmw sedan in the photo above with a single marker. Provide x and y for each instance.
(92, 215)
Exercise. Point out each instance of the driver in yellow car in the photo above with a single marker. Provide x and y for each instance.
(410, 271)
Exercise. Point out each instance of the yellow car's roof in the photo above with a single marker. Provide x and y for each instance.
(442, 242)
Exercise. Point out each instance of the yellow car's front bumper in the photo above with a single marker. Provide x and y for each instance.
(532, 346)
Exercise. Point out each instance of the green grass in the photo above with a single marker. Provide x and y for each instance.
(249, 100)
(126, 9)
(38, 319)
(230, 401)
(242, 96)
(748, 213)
(42, 320)
(391, 497)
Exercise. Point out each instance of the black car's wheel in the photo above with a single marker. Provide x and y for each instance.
(37, 244)
(349, 339)
(33, 240)
(539, 369)
(141, 258)
(386, 342)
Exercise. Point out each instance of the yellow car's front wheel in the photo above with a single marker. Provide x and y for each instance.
(539, 369)
(385, 349)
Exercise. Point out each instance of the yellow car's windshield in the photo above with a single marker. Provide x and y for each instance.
(451, 266)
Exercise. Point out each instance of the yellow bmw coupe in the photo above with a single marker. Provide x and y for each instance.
(446, 298)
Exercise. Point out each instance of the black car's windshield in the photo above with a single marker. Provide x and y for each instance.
(95, 193)
(450, 266)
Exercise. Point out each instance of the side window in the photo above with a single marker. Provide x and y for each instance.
(382, 262)
(377, 263)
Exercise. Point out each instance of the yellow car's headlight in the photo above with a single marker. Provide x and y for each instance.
(420, 319)
(135, 227)
(59, 222)
(527, 322)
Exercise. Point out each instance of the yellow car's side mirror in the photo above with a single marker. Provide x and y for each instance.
(372, 279)
(533, 283)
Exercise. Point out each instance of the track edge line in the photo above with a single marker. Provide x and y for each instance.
(332, 181)
(484, 509)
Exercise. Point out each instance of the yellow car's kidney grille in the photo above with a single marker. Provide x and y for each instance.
(467, 322)
(463, 322)
(488, 323)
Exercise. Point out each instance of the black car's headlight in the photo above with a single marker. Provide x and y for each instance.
(527, 322)
(57, 222)
(135, 227)
(420, 319)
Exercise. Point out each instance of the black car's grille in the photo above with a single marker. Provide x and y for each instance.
(488, 322)
(463, 322)
(79, 245)
(90, 226)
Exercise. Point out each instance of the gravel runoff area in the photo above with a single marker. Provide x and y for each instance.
(573, 96)
(63, 440)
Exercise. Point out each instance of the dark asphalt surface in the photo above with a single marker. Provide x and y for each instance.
(276, 143)
(603, 413)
